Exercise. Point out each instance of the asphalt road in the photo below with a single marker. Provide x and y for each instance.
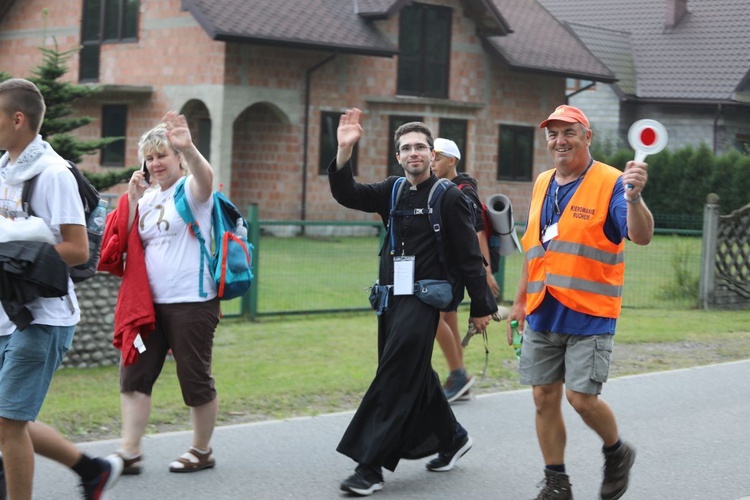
(690, 428)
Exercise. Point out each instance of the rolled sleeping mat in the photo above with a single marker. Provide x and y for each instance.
(501, 218)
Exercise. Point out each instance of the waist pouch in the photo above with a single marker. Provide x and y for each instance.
(435, 293)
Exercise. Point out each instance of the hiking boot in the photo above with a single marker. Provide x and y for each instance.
(111, 469)
(447, 459)
(365, 481)
(457, 384)
(556, 486)
(617, 465)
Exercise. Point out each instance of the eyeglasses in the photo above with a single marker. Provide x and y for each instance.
(417, 148)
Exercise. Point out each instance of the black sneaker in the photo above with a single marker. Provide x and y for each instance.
(95, 488)
(447, 459)
(556, 486)
(364, 482)
(617, 465)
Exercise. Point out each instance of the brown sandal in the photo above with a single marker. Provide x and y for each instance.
(193, 461)
(131, 466)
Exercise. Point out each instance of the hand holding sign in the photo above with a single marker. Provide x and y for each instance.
(647, 137)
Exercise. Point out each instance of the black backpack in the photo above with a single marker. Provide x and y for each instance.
(90, 198)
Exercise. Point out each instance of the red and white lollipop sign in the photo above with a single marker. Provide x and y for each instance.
(647, 137)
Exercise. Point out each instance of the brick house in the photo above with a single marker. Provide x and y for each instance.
(263, 82)
(682, 62)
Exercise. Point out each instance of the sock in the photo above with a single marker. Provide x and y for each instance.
(556, 468)
(126, 455)
(612, 448)
(202, 452)
(374, 472)
(87, 467)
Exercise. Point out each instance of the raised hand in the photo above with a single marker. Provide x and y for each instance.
(178, 132)
(634, 178)
(349, 130)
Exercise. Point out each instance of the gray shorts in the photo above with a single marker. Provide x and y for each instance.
(582, 361)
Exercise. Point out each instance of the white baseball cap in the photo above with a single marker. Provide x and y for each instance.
(447, 147)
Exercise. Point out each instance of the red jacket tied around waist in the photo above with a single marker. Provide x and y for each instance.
(134, 312)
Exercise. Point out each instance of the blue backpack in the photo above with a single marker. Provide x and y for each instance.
(230, 264)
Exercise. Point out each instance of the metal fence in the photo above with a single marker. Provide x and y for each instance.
(326, 267)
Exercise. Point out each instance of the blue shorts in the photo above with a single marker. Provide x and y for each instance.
(28, 359)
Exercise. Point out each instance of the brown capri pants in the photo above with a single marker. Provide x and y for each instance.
(188, 329)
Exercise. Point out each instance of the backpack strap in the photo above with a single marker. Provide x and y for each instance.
(183, 208)
(28, 188)
(434, 205)
(398, 186)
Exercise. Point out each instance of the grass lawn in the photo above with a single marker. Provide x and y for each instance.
(306, 365)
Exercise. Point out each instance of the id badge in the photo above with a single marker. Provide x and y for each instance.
(138, 344)
(550, 233)
(403, 275)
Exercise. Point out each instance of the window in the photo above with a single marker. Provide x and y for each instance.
(514, 159)
(329, 122)
(104, 21)
(455, 130)
(204, 138)
(742, 143)
(114, 124)
(425, 45)
(394, 122)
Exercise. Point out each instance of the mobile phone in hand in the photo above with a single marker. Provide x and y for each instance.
(146, 174)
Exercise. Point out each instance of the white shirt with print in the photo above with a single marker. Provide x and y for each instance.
(173, 254)
(55, 200)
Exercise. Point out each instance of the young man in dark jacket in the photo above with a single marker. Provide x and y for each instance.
(459, 381)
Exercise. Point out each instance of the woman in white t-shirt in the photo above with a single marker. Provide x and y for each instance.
(185, 320)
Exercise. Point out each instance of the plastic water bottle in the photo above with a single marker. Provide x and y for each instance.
(240, 230)
(96, 218)
(517, 338)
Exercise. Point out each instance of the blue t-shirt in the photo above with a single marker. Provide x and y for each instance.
(551, 315)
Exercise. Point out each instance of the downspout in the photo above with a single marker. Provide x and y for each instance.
(305, 140)
(716, 125)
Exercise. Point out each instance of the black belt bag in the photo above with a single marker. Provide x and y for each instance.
(435, 293)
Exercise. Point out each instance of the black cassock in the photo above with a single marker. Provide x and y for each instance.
(404, 413)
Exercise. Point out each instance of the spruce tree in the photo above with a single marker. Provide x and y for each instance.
(59, 97)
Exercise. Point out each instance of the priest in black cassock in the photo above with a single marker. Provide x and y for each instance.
(404, 413)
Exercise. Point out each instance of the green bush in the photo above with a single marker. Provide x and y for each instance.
(680, 180)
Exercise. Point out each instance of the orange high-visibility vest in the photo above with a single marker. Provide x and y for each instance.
(581, 268)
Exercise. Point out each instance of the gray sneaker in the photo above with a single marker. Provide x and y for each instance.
(617, 465)
(556, 486)
(457, 385)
